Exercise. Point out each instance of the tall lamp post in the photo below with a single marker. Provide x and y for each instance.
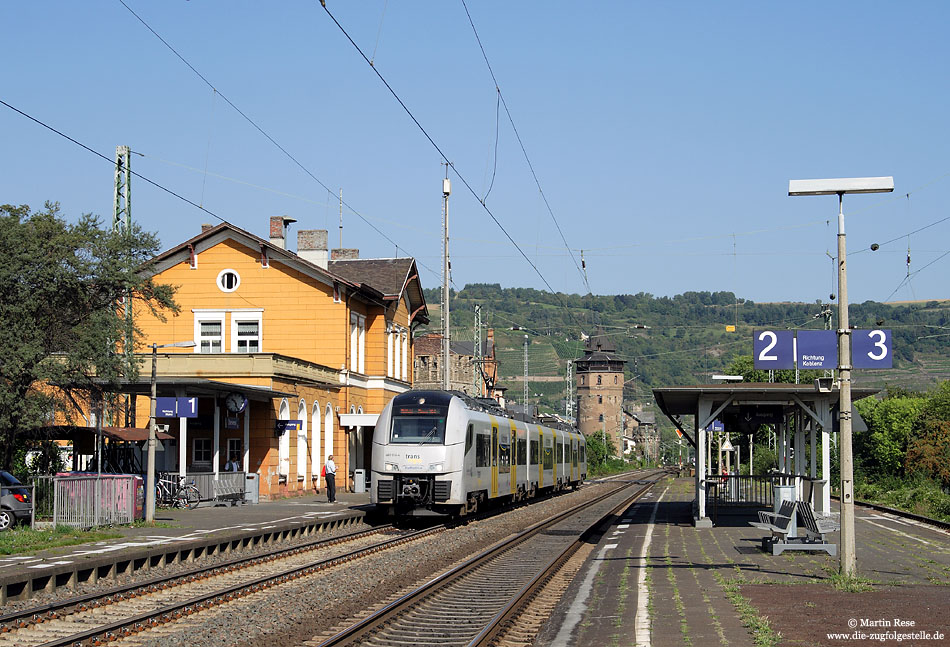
(150, 469)
(839, 187)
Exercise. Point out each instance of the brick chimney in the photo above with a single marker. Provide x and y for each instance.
(344, 254)
(278, 230)
(205, 226)
(312, 246)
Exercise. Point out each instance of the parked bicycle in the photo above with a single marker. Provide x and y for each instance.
(169, 493)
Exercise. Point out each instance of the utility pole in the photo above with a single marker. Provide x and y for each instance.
(446, 191)
(526, 375)
(341, 217)
(477, 365)
(122, 221)
(569, 402)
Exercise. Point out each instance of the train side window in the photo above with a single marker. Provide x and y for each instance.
(482, 450)
(469, 438)
(560, 452)
(522, 457)
(504, 457)
(535, 452)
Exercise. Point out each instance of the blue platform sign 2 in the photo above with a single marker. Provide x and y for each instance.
(715, 425)
(871, 349)
(773, 349)
(817, 349)
(282, 426)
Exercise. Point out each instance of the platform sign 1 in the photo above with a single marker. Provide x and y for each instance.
(773, 349)
(166, 408)
(817, 349)
(715, 425)
(176, 407)
(871, 349)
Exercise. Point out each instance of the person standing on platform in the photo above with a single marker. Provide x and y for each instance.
(331, 479)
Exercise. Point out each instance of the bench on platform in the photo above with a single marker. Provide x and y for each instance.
(780, 525)
(783, 529)
(817, 527)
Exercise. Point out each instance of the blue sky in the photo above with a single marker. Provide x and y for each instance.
(663, 134)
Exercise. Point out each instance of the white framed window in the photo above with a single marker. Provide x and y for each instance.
(234, 450)
(228, 280)
(246, 332)
(389, 351)
(201, 451)
(357, 343)
(209, 331)
(405, 355)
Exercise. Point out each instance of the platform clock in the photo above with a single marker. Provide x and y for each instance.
(235, 402)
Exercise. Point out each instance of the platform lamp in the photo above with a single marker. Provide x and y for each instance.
(839, 187)
(150, 469)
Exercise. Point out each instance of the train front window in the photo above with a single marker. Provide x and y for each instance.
(424, 429)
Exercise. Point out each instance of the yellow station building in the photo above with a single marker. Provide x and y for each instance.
(295, 354)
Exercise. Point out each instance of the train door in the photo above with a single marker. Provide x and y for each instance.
(513, 471)
(540, 456)
(558, 454)
(494, 459)
(574, 471)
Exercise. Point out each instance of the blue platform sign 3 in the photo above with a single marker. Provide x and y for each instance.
(773, 349)
(817, 349)
(871, 349)
(715, 425)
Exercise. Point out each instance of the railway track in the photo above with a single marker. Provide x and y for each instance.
(124, 611)
(471, 604)
(121, 611)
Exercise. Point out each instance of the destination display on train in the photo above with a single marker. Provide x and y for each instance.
(420, 411)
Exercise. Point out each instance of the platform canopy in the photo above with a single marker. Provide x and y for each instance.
(742, 408)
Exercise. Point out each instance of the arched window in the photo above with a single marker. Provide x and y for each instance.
(599, 380)
(328, 432)
(600, 399)
(601, 419)
(302, 442)
(315, 442)
(283, 443)
(615, 379)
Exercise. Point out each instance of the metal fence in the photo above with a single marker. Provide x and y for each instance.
(227, 485)
(90, 501)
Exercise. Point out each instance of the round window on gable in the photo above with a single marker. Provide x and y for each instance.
(228, 280)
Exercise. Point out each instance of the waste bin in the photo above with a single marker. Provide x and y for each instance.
(359, 481)
(252, 487)
(781, 494)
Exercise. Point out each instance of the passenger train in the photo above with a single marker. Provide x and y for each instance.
(444, 453)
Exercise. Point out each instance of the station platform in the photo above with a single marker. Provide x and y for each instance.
(654, 579)
(179, 535)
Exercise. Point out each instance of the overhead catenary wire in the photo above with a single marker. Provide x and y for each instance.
(438, 149)
(263, 132)
(524, 151)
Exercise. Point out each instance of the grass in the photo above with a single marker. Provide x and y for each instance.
(851, 584)
(762, 633)
(26, 540)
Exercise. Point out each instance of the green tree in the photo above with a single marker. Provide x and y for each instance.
(598, 449)
(60, 286)
(890, 422)
(928, 451)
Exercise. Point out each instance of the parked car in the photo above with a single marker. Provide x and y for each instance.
(15, 504)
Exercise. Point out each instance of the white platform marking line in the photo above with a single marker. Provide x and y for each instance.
(923, 541)
(641, 621)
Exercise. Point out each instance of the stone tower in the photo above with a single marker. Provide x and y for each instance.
(600, 390)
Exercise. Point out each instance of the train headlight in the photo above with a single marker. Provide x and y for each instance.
(392, 467)
(436, 467)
